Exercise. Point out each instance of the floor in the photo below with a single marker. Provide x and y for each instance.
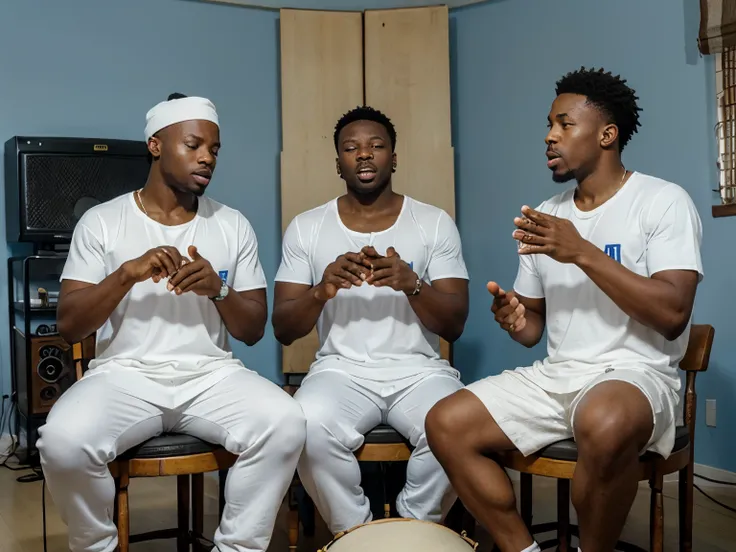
(153, 503)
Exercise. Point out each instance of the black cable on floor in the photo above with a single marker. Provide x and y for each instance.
(721, 504)
(714, 480)
(208, 542)
(37, 475)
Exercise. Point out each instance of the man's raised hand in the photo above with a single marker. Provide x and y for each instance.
(508, 310)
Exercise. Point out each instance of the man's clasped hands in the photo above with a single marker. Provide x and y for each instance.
(366, 266)
(184, 274)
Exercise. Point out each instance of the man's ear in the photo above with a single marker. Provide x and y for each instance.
(609, 136)
(154, 146)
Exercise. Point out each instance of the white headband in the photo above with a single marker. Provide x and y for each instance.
(176, 111)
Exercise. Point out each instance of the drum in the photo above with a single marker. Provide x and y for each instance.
(400, 535)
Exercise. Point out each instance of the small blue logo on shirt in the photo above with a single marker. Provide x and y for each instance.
(223, 275)
(613, 250)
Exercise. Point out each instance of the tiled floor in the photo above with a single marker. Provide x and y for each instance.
(153, 503)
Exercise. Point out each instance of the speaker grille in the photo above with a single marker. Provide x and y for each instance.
(59, 189)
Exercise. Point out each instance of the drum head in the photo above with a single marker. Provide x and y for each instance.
(400, 535)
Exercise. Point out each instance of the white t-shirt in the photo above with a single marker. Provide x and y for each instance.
(373, 332)
(173, 340)
(649, 226)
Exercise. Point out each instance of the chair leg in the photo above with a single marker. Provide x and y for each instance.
(685, 499)
(656, 513)
(386, 504)
(182, 492)
(293, 528)
(115, 509)
(526, 495)
(563, 515)
(121, 506)
(222, 478)
(197, 511)
(307, 510)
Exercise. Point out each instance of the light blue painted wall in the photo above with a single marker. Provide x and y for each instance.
(507, 56)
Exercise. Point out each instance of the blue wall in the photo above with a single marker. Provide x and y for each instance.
(507, 56)
(87, 68)
(93, 69)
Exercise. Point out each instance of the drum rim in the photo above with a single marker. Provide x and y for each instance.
(338, 536)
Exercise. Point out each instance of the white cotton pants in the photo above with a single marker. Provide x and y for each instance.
(339, 412)
(95, 420)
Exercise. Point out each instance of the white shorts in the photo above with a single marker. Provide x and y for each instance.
(533, 418)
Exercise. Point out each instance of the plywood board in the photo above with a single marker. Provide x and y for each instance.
(407, 76)
(321, 78)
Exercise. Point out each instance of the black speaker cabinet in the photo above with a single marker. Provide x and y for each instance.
(51, 182)
(45, 372)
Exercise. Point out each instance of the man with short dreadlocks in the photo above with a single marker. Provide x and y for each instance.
(382, 277)
(610, 268)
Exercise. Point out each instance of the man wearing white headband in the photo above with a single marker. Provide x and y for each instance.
(162, 276)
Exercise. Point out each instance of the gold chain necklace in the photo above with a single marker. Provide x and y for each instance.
(140, 200)
(617, 189)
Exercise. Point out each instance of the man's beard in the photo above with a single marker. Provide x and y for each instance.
(562, 178)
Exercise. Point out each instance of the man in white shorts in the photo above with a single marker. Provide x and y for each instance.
(382, 276)
(610, 267)
(162, 276)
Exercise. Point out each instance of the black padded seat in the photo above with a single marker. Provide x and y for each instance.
(168, 445)
(384, 434)
(568, 451)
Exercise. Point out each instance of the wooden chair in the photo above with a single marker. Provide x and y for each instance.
(184, 456)
(384, 444)
(559, 459)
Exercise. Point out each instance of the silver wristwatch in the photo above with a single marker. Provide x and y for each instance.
(417, 287)
(223, 292)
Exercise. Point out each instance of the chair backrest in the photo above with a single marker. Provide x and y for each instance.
(445, 353)
(699, 345)
(82, 353)
(696, 360)
(446, 350)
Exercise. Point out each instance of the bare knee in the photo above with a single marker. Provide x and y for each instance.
(439, 424)
(612, 429)
(461, 424)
